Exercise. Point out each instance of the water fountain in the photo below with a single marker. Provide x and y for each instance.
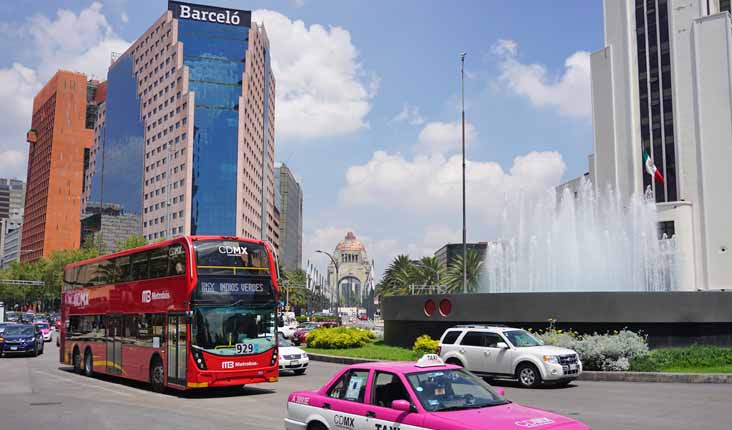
(591, 241)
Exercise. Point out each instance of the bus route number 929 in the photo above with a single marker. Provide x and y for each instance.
(246, 348)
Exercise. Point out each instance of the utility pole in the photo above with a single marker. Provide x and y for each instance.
(337, 280)
(465, 246)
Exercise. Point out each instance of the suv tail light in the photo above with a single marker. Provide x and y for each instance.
(439, 349)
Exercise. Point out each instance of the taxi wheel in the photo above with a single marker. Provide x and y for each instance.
(316, 425)
(528, 375)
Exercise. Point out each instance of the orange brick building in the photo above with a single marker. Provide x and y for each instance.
(57, 142)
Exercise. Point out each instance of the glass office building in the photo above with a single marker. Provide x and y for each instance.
(203, 126)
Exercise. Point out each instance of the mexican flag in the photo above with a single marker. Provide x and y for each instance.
(651, 168)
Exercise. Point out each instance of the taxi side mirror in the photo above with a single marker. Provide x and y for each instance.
(501, 391)
(401, 405)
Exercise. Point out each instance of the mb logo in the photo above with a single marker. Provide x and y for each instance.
(146, 296)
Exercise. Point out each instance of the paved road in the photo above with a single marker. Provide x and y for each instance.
(36, 394)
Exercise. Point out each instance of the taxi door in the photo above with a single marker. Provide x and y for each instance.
(345, 408)
(385, 388)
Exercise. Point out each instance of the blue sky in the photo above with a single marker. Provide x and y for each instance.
(356, 66)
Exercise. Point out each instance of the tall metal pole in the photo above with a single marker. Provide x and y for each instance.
(337, 279)
(462, 98)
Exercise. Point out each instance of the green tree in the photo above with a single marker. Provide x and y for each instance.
(133, 241)
(397, 278)
(294, 282)
(454, 275)
(430, 271)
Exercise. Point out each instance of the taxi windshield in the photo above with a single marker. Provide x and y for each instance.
(452, 390)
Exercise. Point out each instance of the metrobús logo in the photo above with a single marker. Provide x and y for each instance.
(233, 250)
(534, 422)
(234, 364)
(77, 298)
(148, 296)
(224, 17)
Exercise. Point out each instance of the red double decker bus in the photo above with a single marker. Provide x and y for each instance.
(191, 312)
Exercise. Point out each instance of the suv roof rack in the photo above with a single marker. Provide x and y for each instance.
(479, 325)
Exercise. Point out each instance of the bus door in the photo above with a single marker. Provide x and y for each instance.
(177, 351)
(114, 344)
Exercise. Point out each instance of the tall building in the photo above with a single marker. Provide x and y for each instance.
(187, 136)
(106, 225)
(58, 139)
(662, 85)
(354, 272)
(12, 201)
(450, 251)
(290, 207)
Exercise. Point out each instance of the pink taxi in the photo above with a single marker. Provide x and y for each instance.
(424, 395)
(45, 329)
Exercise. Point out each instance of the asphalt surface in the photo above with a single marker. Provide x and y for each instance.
(38, 393)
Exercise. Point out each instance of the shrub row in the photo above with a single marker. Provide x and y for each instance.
(339, 338)
(609, 352)
(693, 357)
(425, 345)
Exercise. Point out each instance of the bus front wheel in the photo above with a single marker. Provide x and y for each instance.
(157, 375)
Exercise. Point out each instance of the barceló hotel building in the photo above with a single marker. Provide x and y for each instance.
(186, 135)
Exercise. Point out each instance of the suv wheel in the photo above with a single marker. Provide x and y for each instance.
(454, 361)
(528, 375)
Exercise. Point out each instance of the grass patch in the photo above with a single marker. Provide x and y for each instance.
(375, 351)
(691, 359)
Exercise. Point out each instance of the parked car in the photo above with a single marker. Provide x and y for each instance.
(21, 339)
(506, 352)
(300, 335)
(428, 394)
(45, 330)
(292, 358)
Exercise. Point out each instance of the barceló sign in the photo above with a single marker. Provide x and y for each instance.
(216, 15)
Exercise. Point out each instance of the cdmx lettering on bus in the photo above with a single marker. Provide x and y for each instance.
(233, 250)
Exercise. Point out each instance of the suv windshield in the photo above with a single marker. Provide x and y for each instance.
(522, 338)
(452, 390)
(233, 330)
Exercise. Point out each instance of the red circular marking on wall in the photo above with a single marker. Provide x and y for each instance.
(445, 307)
(429, 307)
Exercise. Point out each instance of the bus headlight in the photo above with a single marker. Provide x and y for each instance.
(198, 358)
(274, 357)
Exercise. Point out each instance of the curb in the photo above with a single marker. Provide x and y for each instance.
(677, 378)
(587, 375)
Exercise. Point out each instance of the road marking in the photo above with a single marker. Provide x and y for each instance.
(87, 385)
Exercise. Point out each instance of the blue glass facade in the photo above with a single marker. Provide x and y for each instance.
(214, 54)
(120, 156)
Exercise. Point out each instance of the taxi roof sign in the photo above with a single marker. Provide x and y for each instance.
(430, 360)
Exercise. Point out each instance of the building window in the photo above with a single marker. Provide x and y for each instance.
(666, 228)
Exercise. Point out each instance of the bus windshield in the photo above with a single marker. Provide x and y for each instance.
(234, 329)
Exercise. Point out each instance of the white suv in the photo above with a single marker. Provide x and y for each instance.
(505, 352)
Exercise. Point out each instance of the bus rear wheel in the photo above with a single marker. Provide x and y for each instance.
(157, 375)
(88, 363)
(76, 360)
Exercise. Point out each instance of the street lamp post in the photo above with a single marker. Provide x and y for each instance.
(337, 280)
(462, 97)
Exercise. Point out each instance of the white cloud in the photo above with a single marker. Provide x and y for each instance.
(444, 137)
(430, 186)
(409, 114)
(82, 42)
(322, 89)
(569, 93)
(125, 18)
